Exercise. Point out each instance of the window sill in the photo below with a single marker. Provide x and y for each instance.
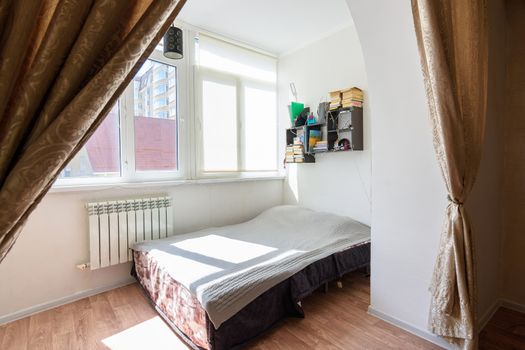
(162, 183)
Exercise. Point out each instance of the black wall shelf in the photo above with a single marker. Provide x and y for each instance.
(345, 123)
(341, 123)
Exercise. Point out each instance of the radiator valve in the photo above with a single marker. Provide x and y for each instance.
(83, 266)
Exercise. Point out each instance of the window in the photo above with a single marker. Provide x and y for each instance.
(152, 133)
(260, 140)
(160, 89)
(237, 111)
(155, 128)
(100, 157)
(219, 124)
(139, 138)
(160, 74)
(160, 102)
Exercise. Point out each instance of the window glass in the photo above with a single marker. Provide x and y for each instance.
(160, 73)
(100, 156)
(260, 126)
(155, 117)
(159, 89)
(219, 118)
(236, 140)
(159, 102)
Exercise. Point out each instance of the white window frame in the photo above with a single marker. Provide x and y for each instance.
(128, 174)
(218, 77)
(189, 135)
(200, 73)
(263, 85)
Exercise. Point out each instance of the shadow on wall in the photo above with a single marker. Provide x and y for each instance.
(513, 146)
(337, 183)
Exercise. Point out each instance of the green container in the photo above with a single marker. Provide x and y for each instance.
(295, 109)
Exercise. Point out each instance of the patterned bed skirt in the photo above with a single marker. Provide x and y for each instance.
(185, 315)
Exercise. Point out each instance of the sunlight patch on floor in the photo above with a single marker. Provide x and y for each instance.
(150, 334)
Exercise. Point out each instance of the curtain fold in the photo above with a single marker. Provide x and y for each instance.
(63, 64)
(453, 46)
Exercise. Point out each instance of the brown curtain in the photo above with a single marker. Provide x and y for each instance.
(453, 45)
(63, 64)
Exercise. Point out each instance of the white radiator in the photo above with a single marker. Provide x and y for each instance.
(115, 225)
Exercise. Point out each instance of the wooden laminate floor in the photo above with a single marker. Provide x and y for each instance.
(122, 319)
(505, 330)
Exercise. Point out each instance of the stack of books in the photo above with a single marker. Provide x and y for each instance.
(352, 98)
(335, 99)
(320, 146)
(298, 151)
(289, 154)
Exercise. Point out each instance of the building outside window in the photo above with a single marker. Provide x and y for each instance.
(233, 120)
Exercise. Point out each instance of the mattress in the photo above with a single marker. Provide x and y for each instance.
(199, 282)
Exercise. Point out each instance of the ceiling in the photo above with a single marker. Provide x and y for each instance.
(276, 26)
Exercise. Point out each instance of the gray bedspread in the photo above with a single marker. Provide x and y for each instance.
(228, 267)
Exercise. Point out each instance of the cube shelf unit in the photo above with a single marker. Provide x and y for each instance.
(292, 133)
(345, 123)
(341, 123)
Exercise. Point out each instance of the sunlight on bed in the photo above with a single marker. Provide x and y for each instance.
(150, 334)
(195, 267)
(226, 249)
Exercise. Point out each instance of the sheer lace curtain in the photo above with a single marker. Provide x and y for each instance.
(63, 64)
(453, 45)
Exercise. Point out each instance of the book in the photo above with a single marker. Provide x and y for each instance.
(335, 94)
(348, 100)
(334, 106)
(353, 104)
(315, 135)
(352, 95)
(321, 146)
(352, 90)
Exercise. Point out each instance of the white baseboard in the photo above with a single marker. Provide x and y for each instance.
(482, 322)
(62, 301)
(410, 328)
(512, 305)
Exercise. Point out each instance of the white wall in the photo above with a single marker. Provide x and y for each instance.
(41, 266)
(408, 198)
(337, 182)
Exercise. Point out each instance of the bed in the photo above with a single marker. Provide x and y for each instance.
(221, 287)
